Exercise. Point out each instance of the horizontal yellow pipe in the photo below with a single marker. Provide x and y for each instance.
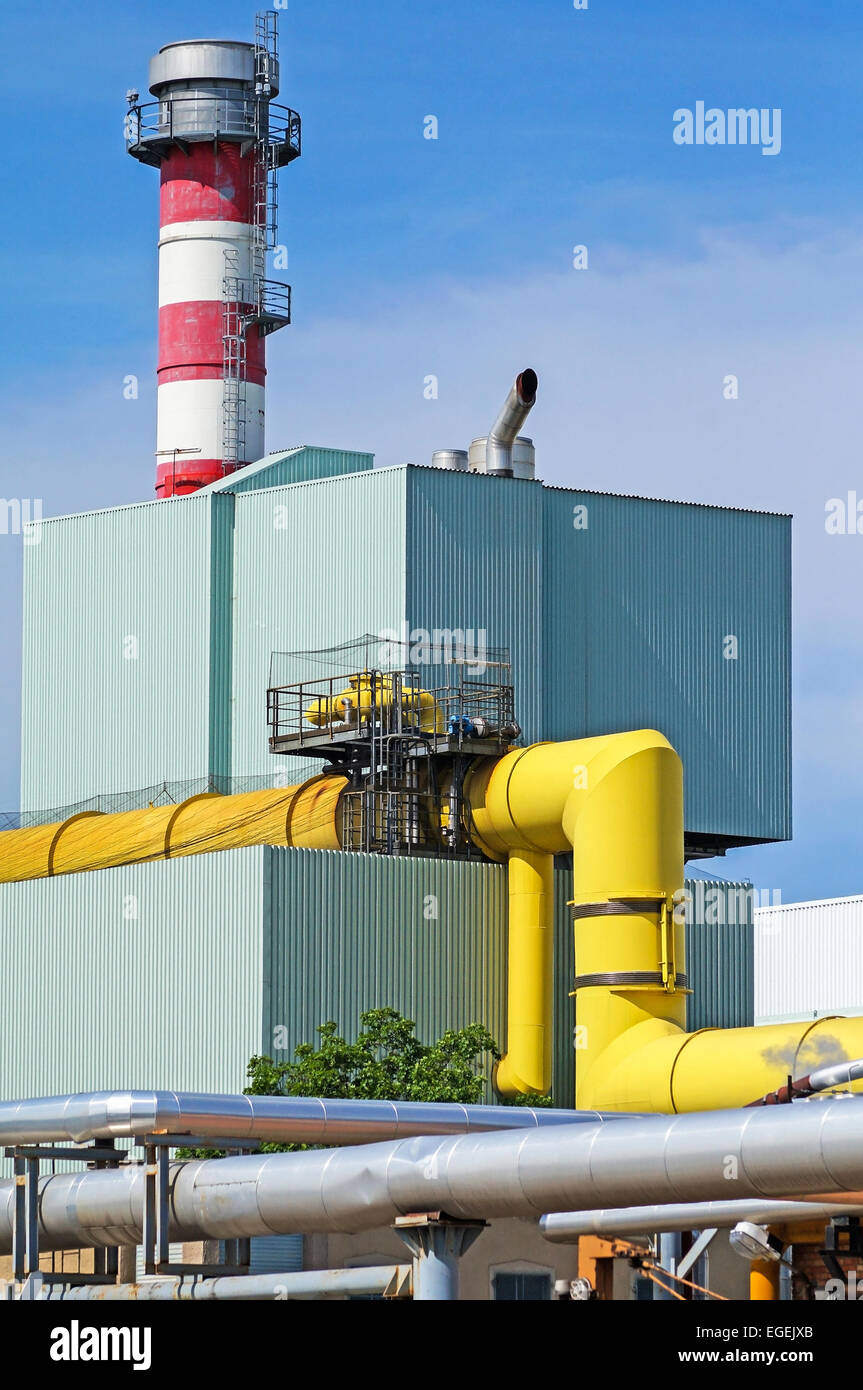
(655, 1068)
(305, 816)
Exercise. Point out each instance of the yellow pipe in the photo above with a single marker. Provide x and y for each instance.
(305, 816)
(764, 1281)
(617, 803)
(526, 1068)
(718, 1068)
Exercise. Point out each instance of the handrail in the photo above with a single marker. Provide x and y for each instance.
(221, 114)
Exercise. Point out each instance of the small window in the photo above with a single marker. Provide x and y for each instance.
(522, 1287)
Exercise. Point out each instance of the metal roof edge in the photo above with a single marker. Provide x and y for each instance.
(810, 902)
(323, 482)
(669, 501)
(250, 469)
(599, 492)
(120, 507)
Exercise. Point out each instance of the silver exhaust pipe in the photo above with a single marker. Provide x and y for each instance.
(507, 427)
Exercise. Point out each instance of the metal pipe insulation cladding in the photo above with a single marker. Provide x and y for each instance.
(779, 1152)
(97, 1115)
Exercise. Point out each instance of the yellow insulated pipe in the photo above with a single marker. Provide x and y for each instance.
(305, 816)
(617, 803)
(718, 1068)
(526, 1068)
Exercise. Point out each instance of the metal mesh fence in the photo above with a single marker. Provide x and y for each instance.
(162, 794)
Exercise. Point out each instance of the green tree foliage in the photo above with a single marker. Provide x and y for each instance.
(386, 1062)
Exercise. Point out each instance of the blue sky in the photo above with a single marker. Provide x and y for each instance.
(410, 256)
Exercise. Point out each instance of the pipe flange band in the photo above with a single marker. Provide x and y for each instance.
(618, 907)
(620, 979)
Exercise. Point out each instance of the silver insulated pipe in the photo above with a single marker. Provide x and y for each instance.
(507, 427)
(282, 1119)
(777, 1152)
(564, 1227)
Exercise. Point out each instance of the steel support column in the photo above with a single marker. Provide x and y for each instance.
(437, 1244)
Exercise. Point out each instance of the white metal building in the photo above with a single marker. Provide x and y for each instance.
(809, 960)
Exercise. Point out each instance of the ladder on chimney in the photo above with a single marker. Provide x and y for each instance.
(234, 293)
(257, 300)
(265, 199)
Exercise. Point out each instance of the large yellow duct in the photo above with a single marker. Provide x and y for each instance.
(305, 816)
(617, 803)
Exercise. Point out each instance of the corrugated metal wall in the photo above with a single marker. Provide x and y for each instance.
(314, 565)
(208, 587)
(222, 520)
(638, 607)
(474, 547)
(304, 464)
(144, 976)
(619, 625)
(116, 652)
(346, 933)
(809, 960)
(719, 954)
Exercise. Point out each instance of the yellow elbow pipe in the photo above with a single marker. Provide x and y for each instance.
(672, 1071)
(617, 803)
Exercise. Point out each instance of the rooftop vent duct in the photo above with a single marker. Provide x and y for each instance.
(454, 459)
(523, 458)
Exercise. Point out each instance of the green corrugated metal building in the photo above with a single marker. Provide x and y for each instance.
(152, 626)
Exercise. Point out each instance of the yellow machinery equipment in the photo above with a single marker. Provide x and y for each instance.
(368, 697)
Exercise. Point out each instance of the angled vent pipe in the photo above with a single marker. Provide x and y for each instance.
(507, 427)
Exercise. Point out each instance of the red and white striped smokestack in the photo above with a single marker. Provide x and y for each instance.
(218, 140)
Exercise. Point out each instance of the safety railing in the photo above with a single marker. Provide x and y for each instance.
(375, 705)
(215, 116)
